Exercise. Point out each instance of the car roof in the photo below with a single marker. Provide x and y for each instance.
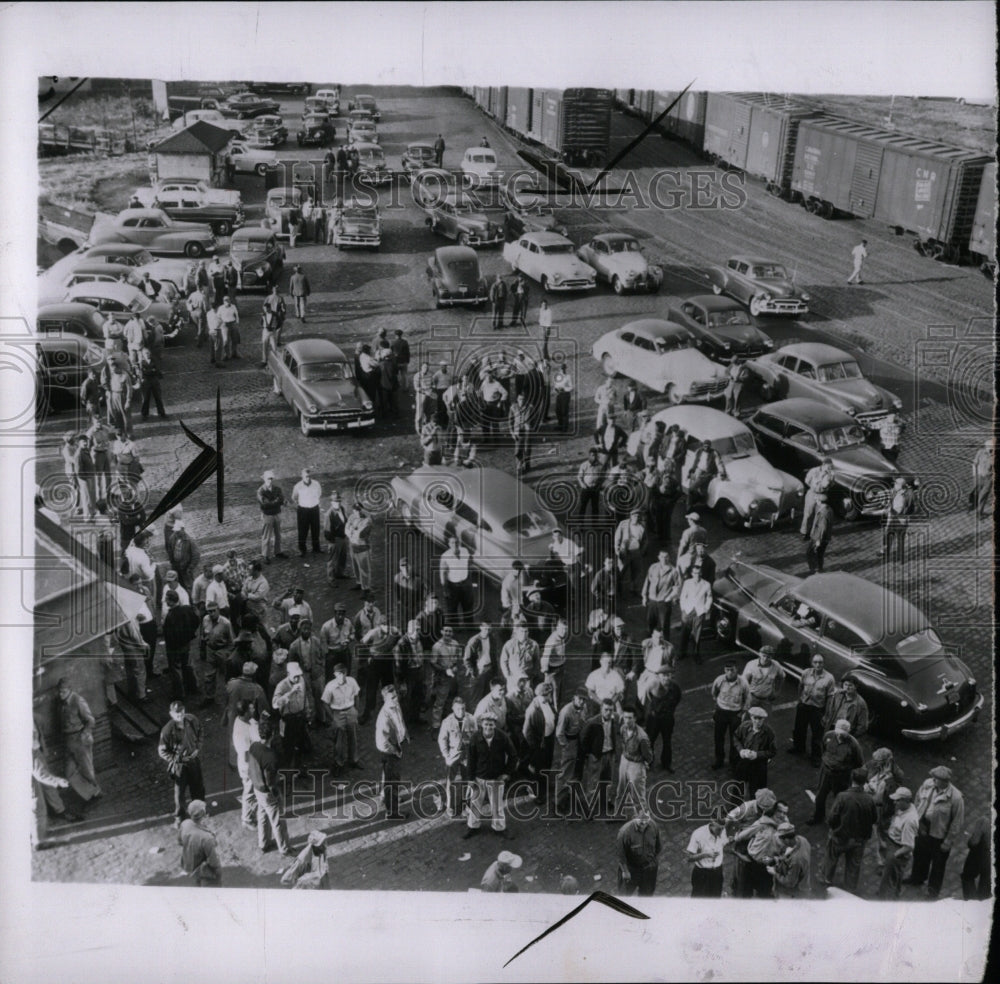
(656, 327)
(754, 260)
(106, 249)
(282, 191)
(105, 288)
(545, 237)
(712, 302)
(152, 213)
(615, 237)
(870, 609)
(69, 309)
(815, 351)
(200, 181)
(315, 348)
(423, 145)
(445, 253)
(367, 145)
(250, 233)
(503, 487)
(810, 413)
(111, 270)
(703, 423)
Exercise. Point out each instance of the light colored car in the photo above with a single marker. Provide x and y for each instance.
(317, 380)
(278, 207)
(362, 131)
(662, 356)
(244, 159)
(754, 492)
(132, 255)
(479, 166)
(172, 187)
(496, 517)
(827, 374)
(331, 97)
(53, 289)
(154, 229)
(551, 260)
(763, 285)
(119, 300)
(355, 224)
(618, 260)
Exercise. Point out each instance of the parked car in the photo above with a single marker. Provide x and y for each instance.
(913, 686)
(618, 260)
(257, 256)
(455, 277)
(357, 224)
(292, 88)
(247, 105)
(362, 131)
(551, 260)
(279, 205)
(157, 231)
(243, 159)
(720, 325)
(662, 356)
(529, 213)
(267, 131)
(192, 206)
(315, 106)
(798, 434)
(119, 300)
(762, 285)
(331, 98)
(822, 372)
(316, 131)
(754, 493)
(432, 184)
(132, 255)
(366, 102)
(495, 517)
(416, 157)
(53, 289)
(317, 380)
(61, 364)
(479, 166)
(187, 186)
(372, 167)
(70, 319)
(458, 217)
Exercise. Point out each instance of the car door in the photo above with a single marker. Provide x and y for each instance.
(801, 448)
(740, 286)
(841, 646)
(768, 432)
(289, 378)
(645, 362)
(795, 643)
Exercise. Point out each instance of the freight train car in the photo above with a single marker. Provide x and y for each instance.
(498, 103)
(481, 94)
(576, 124)
(983, 242)
(686, 121)
(914, 185)
(518, 110)
(756, 133)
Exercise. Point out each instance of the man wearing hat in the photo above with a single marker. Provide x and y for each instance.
(499, 875)
(756, 844)
(539, 731)
(941, 809)
(298, 285)
(245, 687)
(180, 748)
(215, 644)
(309, 652)
(841, 754)
(706, 465)
(852, 819)
(199, 855)
(570, 723)
(390, 733)
(271, 499)
(731, 695)
(693, 533)
(791, 865)
(292, 702)
(764, 677)
(820, 533)
(818, 481)
(216, 591)
(638, 846)
(293, 600)
(492, 760)
(900, 840)
(183, 554)
(340, 696)
(756, 745)
(310, 870)
(848, 704)
(454, 738)
(335, 533)
(538, 614)
(336, 635)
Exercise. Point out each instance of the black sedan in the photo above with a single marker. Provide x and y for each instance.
(913, 686)
(247, 105)
(796, 435)
(721, 326)
(455, 278)
(61, 367)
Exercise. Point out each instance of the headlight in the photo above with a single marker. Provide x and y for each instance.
(971, 681)
(804, 296)
(726, 346)
(904, 703)
(366, 404)
(897, 403)
(921, 707)
(800, 492)
(853, 411)
(768, 343)
(557, 278)
(313, 408)
(766, 296)
(754, 505)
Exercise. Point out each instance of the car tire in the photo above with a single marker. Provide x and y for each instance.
(223, 228)
(303, 426)
(716, 289)
(545, 284)
(755, 306)
(768, 391)
(617, 286)
(670, 392)
(654, 287)
(260, 169)
(729, 514)
(608, 366)
(193, 250)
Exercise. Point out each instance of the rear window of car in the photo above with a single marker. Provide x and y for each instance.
(923, 643)
(462, 266)
(527, 524)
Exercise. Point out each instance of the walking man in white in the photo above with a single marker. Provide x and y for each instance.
(859, 254)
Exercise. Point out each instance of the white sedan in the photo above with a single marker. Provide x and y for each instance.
(662, 356)
(551, 260)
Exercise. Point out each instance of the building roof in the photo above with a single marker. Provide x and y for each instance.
(201, 137)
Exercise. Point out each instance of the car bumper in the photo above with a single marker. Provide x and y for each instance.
(783, 305)
(704, 393)
(340, 424)
(353, 240)
(375, 177)
(450, 300)
(572, 285)
(942, 731)
(767, 520)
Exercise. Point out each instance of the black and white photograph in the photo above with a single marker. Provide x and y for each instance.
(551, 487)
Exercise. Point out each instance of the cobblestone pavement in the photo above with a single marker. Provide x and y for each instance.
(127, 837)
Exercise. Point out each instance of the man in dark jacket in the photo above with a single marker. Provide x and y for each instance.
(180, 628)
(498, 301)
(180, 748)
(519, 303)
(335, 533)
(600, 747)
(661, 699)
(756, 746)
(841, 754)
(539, 732)
(491, 762)
(852, 819)
(199, 856)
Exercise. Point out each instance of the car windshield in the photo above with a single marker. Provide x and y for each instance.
(720, 319)
(357, 213)
(838, 438)
(834, 371)
(424, 153)
(284, 200)
(372, 156)
(623, 246)
(463, 268)
(139, 304)
(527, 524)
(315, 371)
(556, 249)
(770, 271)
(735, 445)
(248, 246)
(926, 642)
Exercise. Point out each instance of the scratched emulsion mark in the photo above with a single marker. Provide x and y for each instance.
(609, 900)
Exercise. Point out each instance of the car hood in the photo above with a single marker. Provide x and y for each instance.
(691, 365)
(779, 287)
(738, 334)
(332, 394)
(567, 265)
(864, 461)
(626, 263)
(755, 471)
(361, 226)
(477, 220)
(858, 393)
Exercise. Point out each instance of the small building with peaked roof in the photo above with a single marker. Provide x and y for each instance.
(197, 151)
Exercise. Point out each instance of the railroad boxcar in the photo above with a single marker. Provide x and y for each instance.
(686, 120)
(481, 94)
(537, 112)
(576, 124)
(498, 102)
(519, 110)
(983, 242)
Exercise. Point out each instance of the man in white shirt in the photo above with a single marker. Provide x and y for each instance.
(512, 590)
(340, 695)
(605, 683)
(306, 496)
(455, 575)
(562, 386)
(859, 254)
(171, 583)
(764, 676)
(229, 318)
(604, 397)
(630, 544)
(138, 559)
(705, 852)
(554, 658)
(656, 654)
(695, 605)
(245, 733)
(390, 733)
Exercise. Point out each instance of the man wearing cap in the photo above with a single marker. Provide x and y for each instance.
(731, 695)
(852, 819)
(244, 687)
(520, 655)
(180, 627)
(199, 856)
(818, 481)
(791, 865)
(311, 869)
(215, 644)
(764, 677)
(454, 738)
(498, 877)
(841, 754)
(180, 748)
(492, 759)
(390, 733)
(293, 601)
(359, 531)
(271, 499)
(900, 840)
(638, 846)
(695, 604)
(335, 533)
(884, 778)
(310, 653)
(306, 495)
(756, 745)
(705, 852)
(820, 533)
(287, 632)
(340, 696)
(570, 724)
(336, 636)
(756, 844)
(539, 731)
(815, 687)
(941, 809)
(446, 658)
(693, 533)
(292, 701)
(848, 704)
(262, 764)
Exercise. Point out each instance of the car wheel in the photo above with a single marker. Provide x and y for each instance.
(463, 239)
(654, 287)
(730, 515)
(260, 169)
(617, 286)
(303, 426)
(608, 365)
(275, 386)
(670, 392)
(193, 250)
(223, 229)
(716, 289)
(545, 284)
(756, 306)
